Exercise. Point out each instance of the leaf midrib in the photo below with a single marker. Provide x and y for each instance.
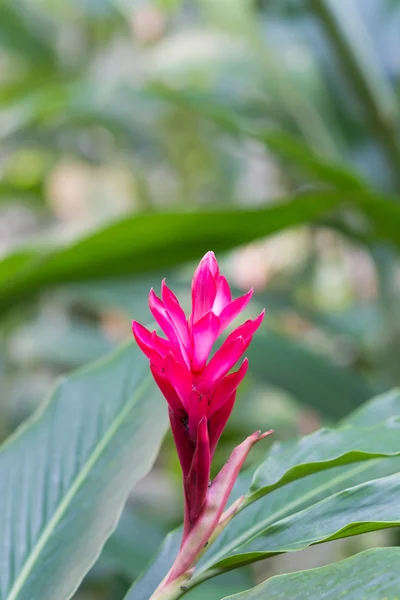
(274, 518)
(75, 486)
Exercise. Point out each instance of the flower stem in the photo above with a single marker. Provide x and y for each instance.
(171, 590)
(211, 521)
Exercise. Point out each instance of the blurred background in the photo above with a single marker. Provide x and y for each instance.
(113, 108)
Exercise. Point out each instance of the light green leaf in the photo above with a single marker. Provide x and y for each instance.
(371, 574)
(66, 475)
(290, 500)
(286, 501)
(367, 507)
(376, 410)
(327, 448)
(313, 486)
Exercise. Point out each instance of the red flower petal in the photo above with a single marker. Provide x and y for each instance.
(221, 363)
(180, 378)
(205, 333)
(223, 297)
(162, 317)
(233, 309)
(177, 316)
(148, 343)
(204, 286)
(226, 388)
(247, 329)
(167, 389)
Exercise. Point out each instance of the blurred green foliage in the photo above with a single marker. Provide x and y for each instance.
(137, 135)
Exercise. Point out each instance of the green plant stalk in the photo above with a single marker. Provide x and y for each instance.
(372, 90)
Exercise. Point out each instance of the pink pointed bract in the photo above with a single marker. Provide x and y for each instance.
(199, 389)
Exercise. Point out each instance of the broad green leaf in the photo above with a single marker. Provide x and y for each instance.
(371, 574)
(376, 410)
(66, 475)
(314, 486)
(149, 241)
(367, 507)
(282, 362)
(327, 448)
(290, 500)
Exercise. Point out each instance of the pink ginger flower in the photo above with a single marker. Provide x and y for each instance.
(199, 390)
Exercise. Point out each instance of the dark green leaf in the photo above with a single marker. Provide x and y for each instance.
(150, 241)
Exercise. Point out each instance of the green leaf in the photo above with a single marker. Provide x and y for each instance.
(67, 473)
(286, 501)
(376, 410)
(305, 460)
(325, 449)
(282, 362)
(371, 574)
(149, 241)
(291, 500)
(367, 507)
(144, 587)
(228, 583)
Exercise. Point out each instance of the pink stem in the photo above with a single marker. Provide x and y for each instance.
(209, 518)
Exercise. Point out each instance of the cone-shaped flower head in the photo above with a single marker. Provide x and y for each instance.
(199, 390)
